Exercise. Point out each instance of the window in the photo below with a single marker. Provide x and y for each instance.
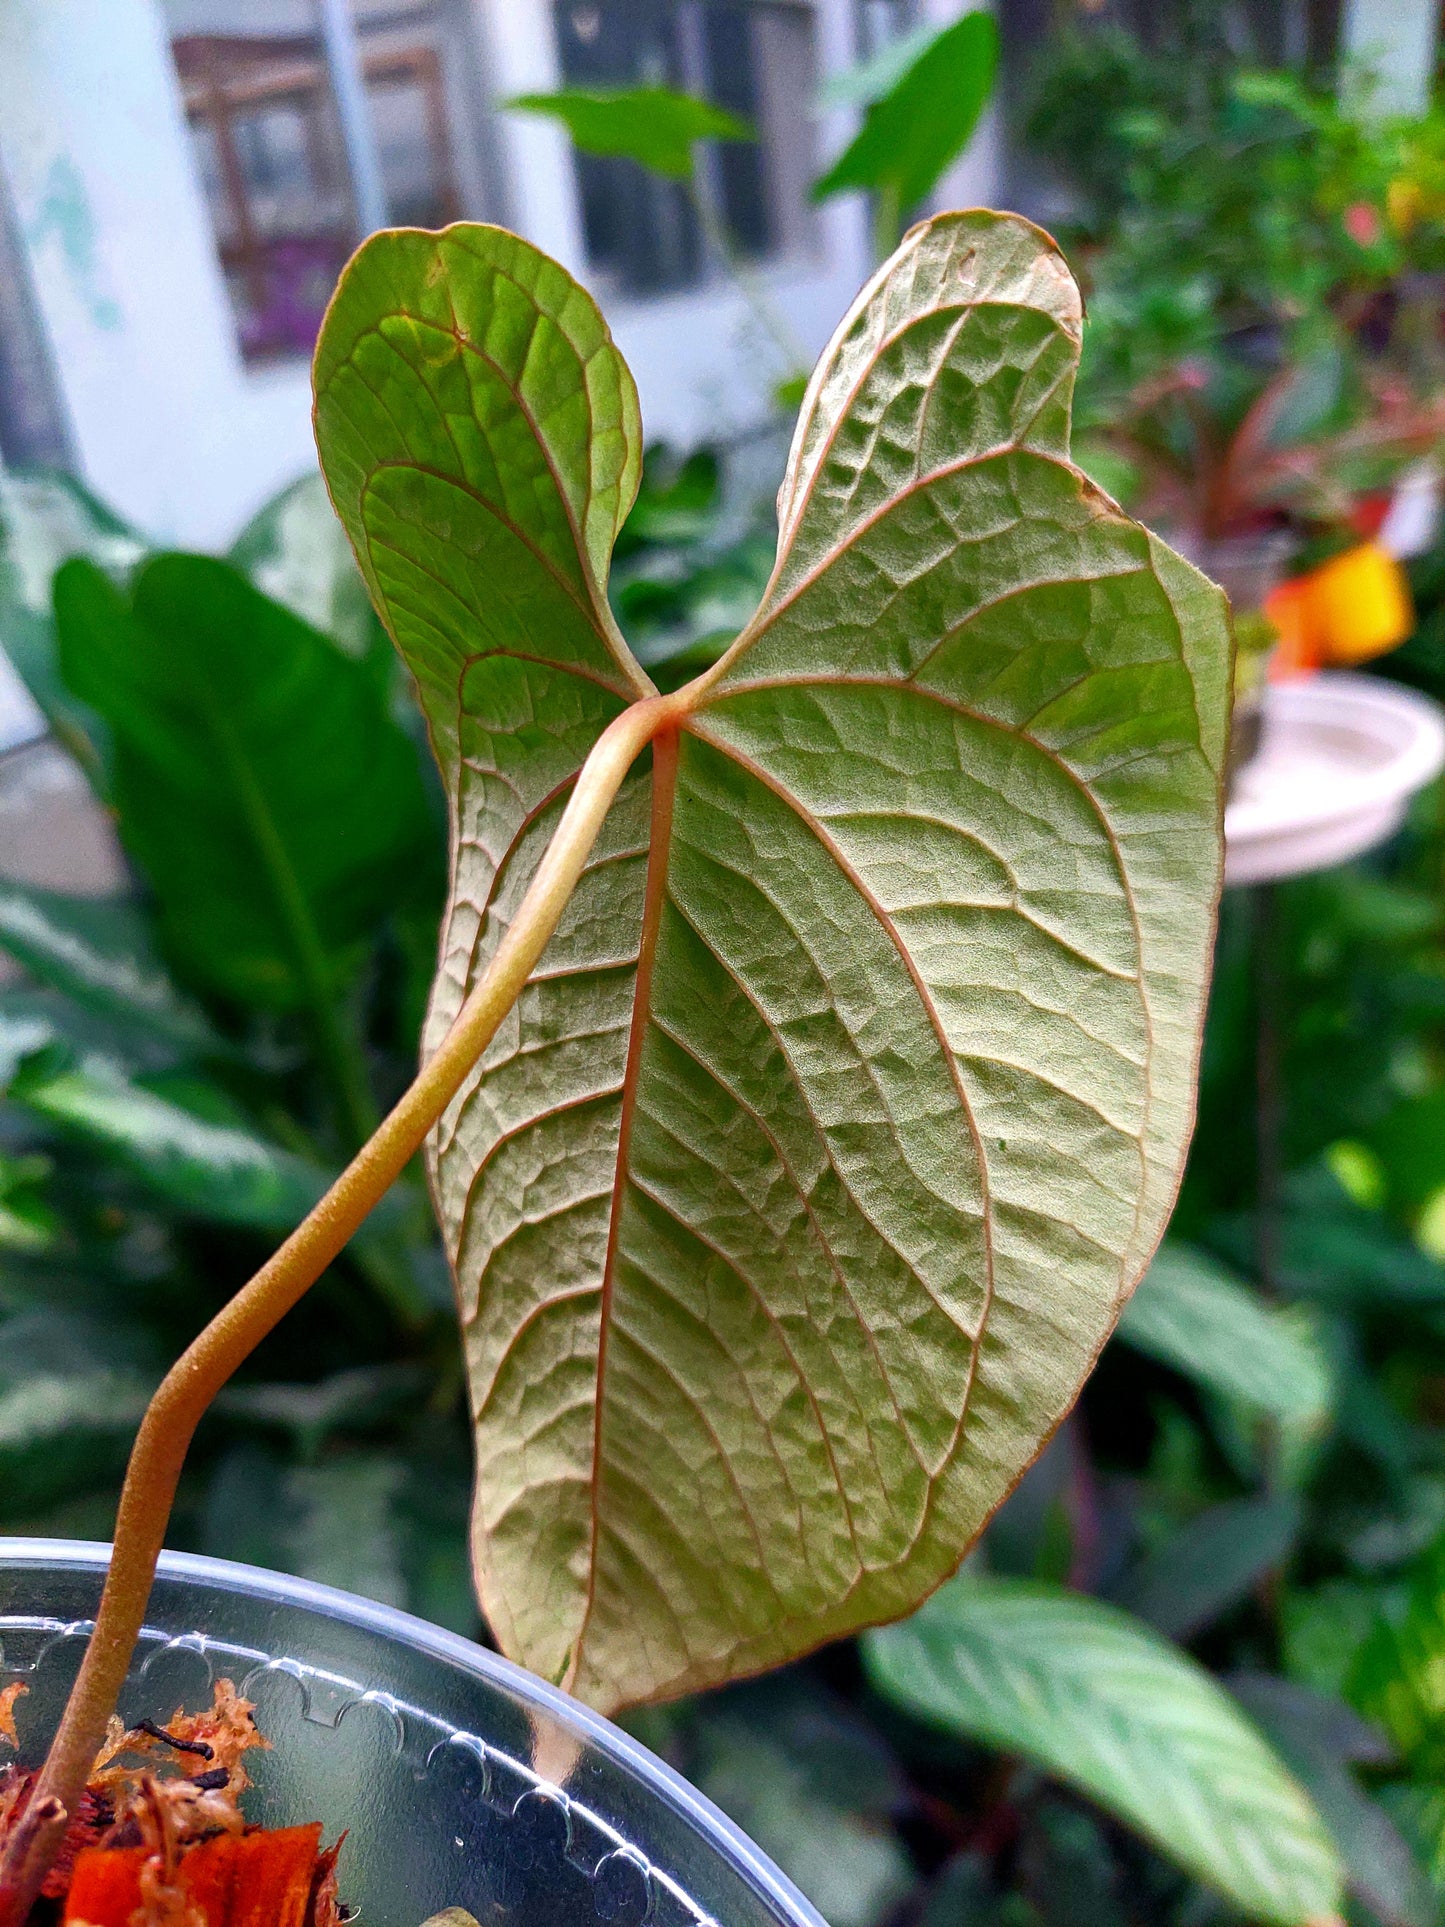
(753, 56)
(881, 22)
(287, 172)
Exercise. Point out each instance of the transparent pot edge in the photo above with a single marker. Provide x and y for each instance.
(93, 1556)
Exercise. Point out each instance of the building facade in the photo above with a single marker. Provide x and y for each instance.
(180, 181)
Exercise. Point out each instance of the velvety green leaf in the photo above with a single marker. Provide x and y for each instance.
(779, 1256)
(1211, 1564)
(225, 1172)
(273, 804)
(1194, 1315)
(913, 133)
(654, 126)
(1080, 1688)
(1318, 1739)
(99, 952)
(44, 519)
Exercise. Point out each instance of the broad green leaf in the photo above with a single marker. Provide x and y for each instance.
(1319, 1739)
(780, 1254)
(44, 520)
(915, 131)
(1211, 1564)
(654, 126)
(1084, 1691)
(99, 952)
(273, 804)
(1194, 1315)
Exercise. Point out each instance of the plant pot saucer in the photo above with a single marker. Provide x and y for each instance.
(464, 1781)
(1339, 759)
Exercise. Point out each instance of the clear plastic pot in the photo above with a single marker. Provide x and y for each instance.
(463, 1780)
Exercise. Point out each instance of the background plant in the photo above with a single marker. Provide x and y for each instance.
(1255, 1472)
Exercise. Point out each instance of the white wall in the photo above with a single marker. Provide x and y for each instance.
(1397, 39)
(170, 426)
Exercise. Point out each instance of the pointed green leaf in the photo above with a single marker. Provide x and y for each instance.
(916, 130)
(1318, 1739)
(1211, 1564)
(654, 126)
(781, 1253)
(273, 804)
(1096, 1698)
(1194, 1315)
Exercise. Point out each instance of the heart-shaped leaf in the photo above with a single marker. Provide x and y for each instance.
(795, 1199)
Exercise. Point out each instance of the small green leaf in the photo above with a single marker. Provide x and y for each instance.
(794, 1200)
(99, 952)
(913, 133)
(654, 126)
(272, 803)
(1192, 1314)
(1085, 1692)
(871, 79)
(1211, 1564)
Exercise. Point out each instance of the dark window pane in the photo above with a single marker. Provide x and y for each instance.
(730, 38)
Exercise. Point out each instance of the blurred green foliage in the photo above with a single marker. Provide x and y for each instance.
(1244, 1520)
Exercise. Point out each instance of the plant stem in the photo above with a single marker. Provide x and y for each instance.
(191, 1384)
(720, 242)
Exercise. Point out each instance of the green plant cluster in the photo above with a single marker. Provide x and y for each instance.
(1253, 1485)
(1263, 257)
(1221, 1583)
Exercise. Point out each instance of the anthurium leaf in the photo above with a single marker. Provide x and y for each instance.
(1211, 1564)
(224, 1171)
(780, 1254)
(1107, 1705)
(273, 804)
(915, 131)
(99, 952)
(654, 126)
(1193, 1314)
